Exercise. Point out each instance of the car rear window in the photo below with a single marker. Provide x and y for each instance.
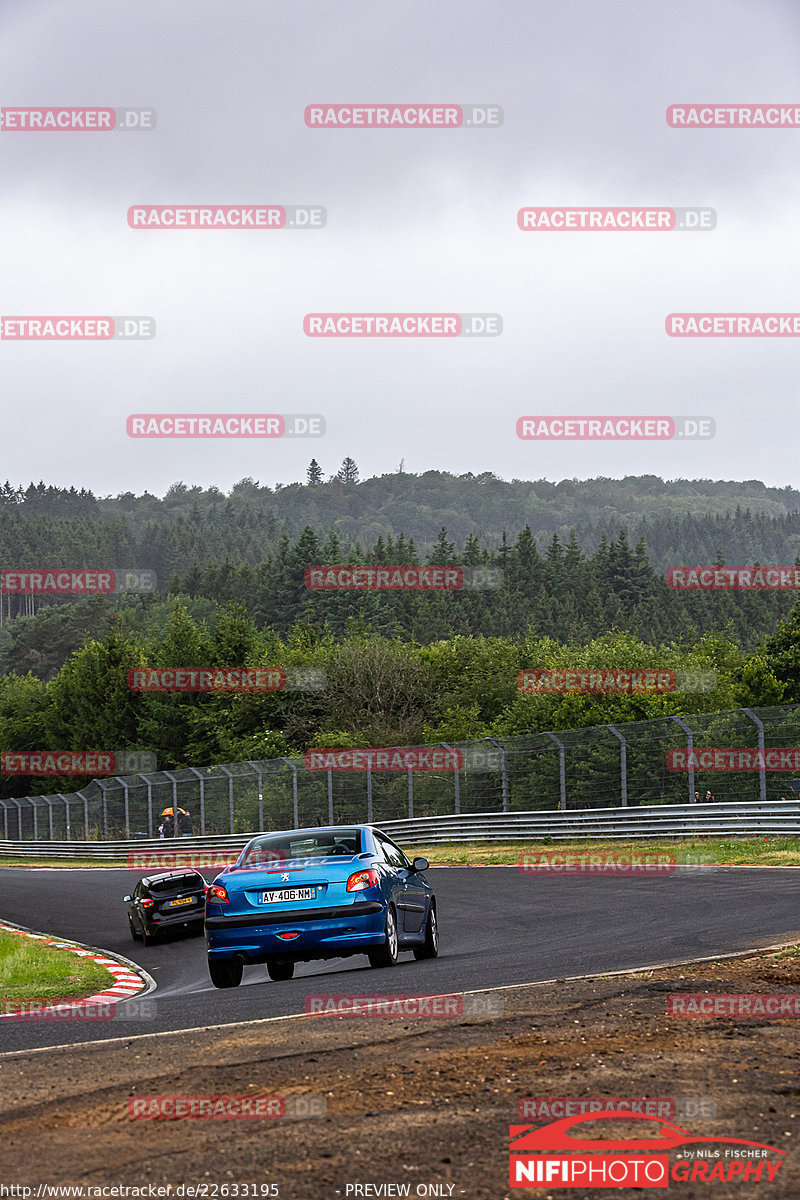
(179, 883)
(278, 848)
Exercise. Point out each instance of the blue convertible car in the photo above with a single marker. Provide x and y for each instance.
(318, 893)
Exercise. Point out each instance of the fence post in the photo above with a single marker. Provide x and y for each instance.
(230, 793)
(562, 771)
(19, 816)
(85, 800)
(456, 778)
(762, 774)
(174, 783)
(195, 771)
(46, 800)
(5, 819)
(61, 796)
(125, 787)
(369, 792)
(149, 783)
(34, 805)
(294, 791)
(689, 751)
(330, 796)
(504, 767)
(623, 764)
(410, 793)
(257, 770)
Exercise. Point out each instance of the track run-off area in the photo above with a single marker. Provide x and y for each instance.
(498, 926)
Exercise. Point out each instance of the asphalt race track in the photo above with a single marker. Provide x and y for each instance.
(497, 926)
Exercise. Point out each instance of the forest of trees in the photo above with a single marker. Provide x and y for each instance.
(402, 667)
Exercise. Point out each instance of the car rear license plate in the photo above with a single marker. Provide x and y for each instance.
(183, 900)
(280, 897)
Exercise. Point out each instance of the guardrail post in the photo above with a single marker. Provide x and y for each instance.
(330, 796)
(257, 770)
(689, 751)
(623, 764)
(230, 793)
(504, 768)
(762, 774)
(195, 771)
(410, 793)
(456, 778)
(294, 791)
(562, 770)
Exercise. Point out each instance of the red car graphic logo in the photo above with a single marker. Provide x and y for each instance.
(555, 1136)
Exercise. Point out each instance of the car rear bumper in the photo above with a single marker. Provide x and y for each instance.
(322, 933)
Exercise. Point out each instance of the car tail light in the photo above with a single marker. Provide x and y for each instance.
(289, 937)
(216, 894)
(206, 888)
(363, 879)
(148, 903)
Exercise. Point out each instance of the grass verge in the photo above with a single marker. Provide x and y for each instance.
(30, 970)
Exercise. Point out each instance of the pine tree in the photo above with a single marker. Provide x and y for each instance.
(348, 471)
(314, 473)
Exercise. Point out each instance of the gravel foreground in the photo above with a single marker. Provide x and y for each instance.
(419, 1102)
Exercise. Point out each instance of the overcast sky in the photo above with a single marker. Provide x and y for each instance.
(418, 221)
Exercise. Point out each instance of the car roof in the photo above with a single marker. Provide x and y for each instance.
(312, 829)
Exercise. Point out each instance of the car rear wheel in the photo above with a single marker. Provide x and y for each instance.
(386, 955)
(430, 947)
(137, 937)
(147, 937)
(280, 970)
(225, 974)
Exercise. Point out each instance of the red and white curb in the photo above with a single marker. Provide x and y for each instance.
(129, 980)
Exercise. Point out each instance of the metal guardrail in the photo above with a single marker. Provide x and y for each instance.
(773, 819)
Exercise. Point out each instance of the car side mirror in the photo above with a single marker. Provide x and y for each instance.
(126, 899)
(420, 864)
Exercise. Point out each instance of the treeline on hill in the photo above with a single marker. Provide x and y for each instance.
(560, 593)
(377, 690)
(681, 520)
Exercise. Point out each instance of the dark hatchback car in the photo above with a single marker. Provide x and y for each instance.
(171, 900)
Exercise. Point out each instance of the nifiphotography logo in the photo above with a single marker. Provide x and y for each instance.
(584, 1160)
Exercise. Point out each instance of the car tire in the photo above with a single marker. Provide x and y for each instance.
(147, 938)
(280, 970)
(386, 955)
(137, 937)
(225, 974)
(430, 947)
